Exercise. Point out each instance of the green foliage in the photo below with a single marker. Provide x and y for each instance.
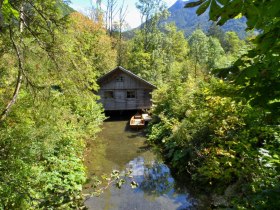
(226, 134)
(42, 139)
(216, 54)
(199, 48)
(257, 72)
(40, 163)
(8, 11)
(233, 44)
(222, 133)
(220, 143)
(208, 53)
(91, 45)
(162, 58)
(156, 54)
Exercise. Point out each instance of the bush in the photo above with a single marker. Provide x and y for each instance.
(219, 142)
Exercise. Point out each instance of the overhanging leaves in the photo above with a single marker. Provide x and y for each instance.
(8, 11)
(202, 8)
(194, 4)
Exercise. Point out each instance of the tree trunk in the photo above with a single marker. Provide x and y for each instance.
(19, 54)
(1, 15)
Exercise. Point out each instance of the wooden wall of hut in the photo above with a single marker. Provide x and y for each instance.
(122, 90)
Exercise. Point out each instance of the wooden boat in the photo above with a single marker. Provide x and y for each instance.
(137, 121)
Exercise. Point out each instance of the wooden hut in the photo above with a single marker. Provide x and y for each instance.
(120, 89)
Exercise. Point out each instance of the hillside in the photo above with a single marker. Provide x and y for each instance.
(187, 20)
(65, 8)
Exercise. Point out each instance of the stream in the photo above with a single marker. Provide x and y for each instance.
(118, 148)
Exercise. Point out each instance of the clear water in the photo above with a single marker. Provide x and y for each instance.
(118, 147)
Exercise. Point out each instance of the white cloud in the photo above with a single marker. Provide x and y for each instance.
(133, 18)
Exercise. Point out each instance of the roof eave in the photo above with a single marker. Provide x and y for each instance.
(128, 72)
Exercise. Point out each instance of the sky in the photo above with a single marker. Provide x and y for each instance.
(132, 17)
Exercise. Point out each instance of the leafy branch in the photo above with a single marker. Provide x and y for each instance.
(20, 71)
(115, 178)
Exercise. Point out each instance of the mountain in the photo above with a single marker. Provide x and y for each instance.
(65, 8)
(187, 20)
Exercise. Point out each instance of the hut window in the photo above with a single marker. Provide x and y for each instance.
(131, 94)
(109, 94)
(120, 79)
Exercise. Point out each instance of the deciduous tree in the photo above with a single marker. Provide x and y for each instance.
(199, 49)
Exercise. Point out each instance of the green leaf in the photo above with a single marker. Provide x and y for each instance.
(222, 21)
(233, 9)
(194, 4)
(273, 9)
(120, 183)
(223, 2)
(252, 15)
(9, 11)
(134, 184)
(202, 8)
(214, 13)
(249, 72)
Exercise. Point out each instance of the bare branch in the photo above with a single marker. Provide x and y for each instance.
(19, 77)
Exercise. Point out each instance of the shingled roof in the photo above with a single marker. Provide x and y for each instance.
(120, 68)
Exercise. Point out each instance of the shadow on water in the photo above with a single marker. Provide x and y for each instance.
(144, 148)
(118, 147)
(119, 115)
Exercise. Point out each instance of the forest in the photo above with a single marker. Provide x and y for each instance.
(216, 113)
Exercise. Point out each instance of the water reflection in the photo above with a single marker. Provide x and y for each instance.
(156, 189)
(154, 179)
